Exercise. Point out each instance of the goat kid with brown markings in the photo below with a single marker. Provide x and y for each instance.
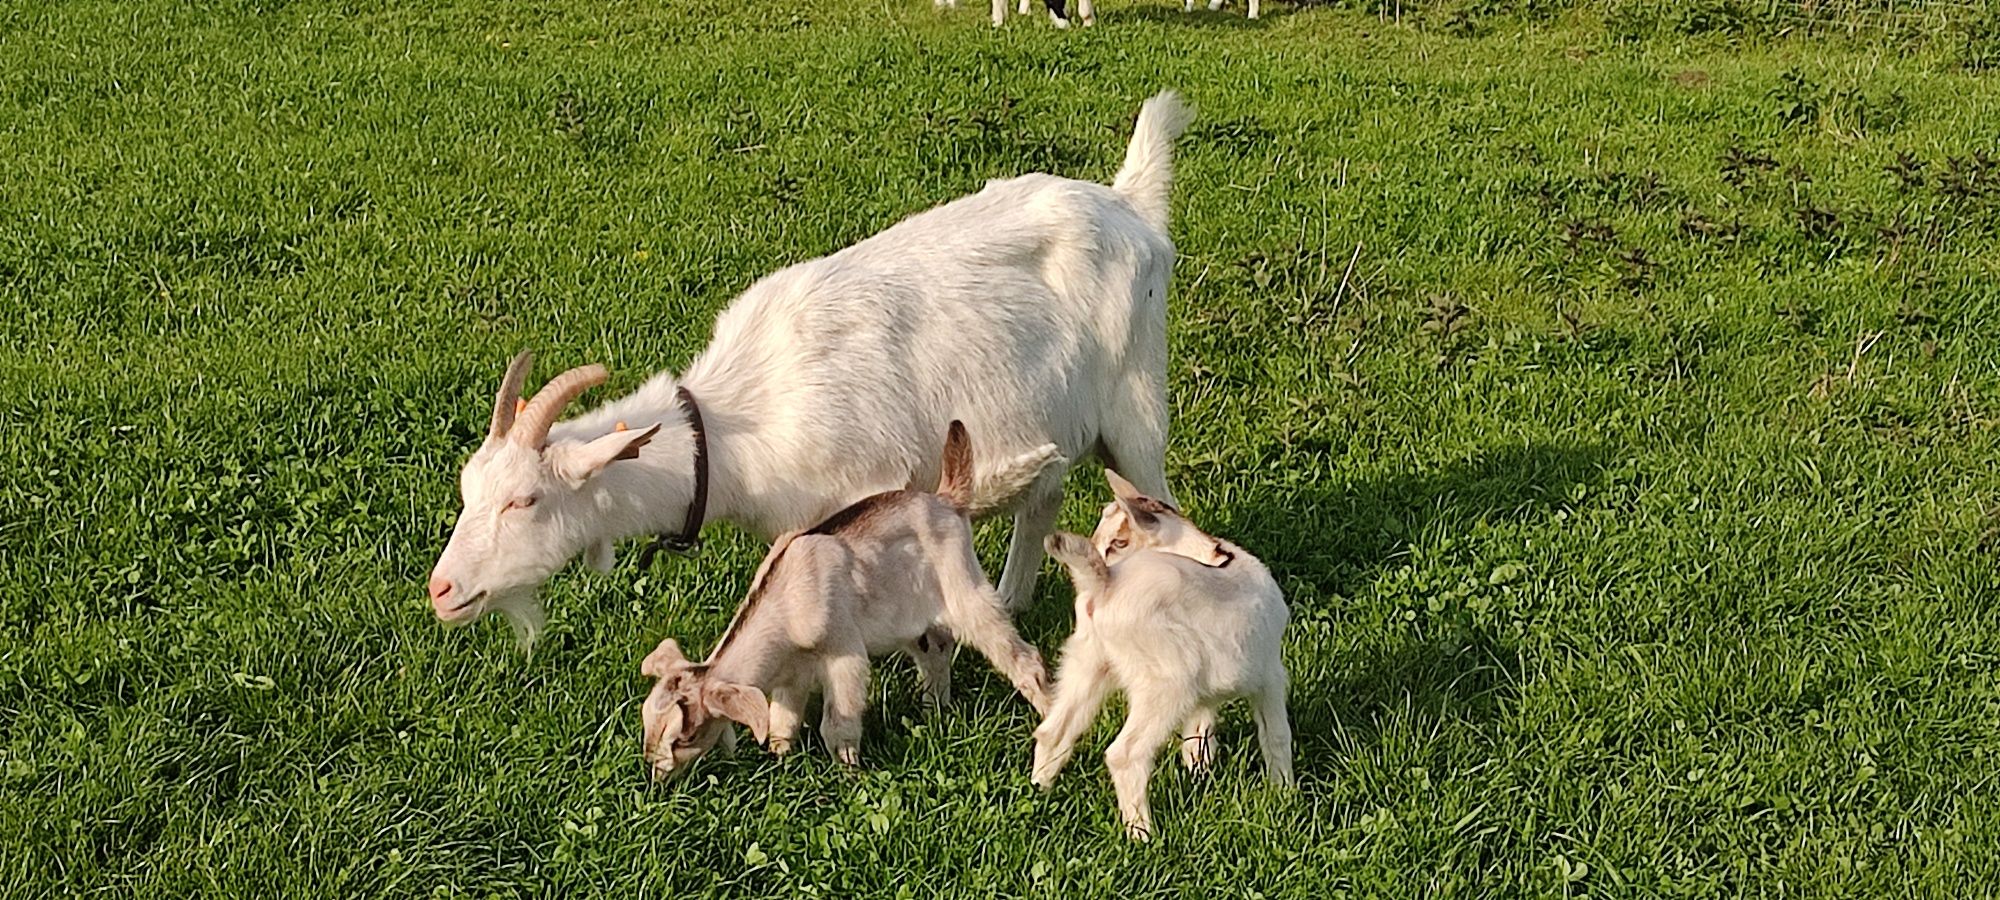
(1181, 621)
(893, 572)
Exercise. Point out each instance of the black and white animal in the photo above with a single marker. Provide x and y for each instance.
(1055, 7)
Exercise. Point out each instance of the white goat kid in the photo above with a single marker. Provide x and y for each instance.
(1034, 311)
(1182, 622)
(895, 571)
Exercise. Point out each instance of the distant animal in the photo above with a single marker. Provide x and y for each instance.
(1213, 5)
(1055, 7)
(893, 572)
(1182, 622)
(1034, 311)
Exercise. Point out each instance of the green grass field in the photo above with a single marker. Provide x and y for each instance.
(1636, 494)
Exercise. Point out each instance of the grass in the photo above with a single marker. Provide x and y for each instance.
(1635, 493)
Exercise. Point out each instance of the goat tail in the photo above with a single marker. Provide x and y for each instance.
(1148, 173)
(1012, 478)
(1086, 566)
(955, 485)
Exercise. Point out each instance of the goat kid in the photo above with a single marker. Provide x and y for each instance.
(1182, 622)
(895, 571)
(1034, 311)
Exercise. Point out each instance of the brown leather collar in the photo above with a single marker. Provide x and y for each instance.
(688, 540)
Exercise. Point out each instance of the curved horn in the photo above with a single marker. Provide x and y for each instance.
(510, 394)
(531, 427)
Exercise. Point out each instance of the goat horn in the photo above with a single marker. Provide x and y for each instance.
(532, 428)
(506, 404)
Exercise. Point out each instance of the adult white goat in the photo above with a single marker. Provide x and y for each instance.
(1034, 311)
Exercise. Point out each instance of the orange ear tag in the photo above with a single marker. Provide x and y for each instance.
(621, 427)
(519, 404)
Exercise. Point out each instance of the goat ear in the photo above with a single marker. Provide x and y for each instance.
(576, 463)
(1121, 488)
(664, 660)
(739, 703)
(1138, 507)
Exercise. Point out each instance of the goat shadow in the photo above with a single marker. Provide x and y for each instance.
(1331, 540)
(1324, 541)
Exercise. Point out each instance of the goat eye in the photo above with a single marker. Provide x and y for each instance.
(521, 503)
(1120, 544)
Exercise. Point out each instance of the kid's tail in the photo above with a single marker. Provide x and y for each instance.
(955, 486)
(1086, 567)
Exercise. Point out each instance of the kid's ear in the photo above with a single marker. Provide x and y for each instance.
(739, 703)
(1138, 507)
(1121, 488)
(576, 463)
(664, 660)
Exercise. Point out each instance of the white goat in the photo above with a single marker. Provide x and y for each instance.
(1034, 311)
(1181, 621)
(895, 571)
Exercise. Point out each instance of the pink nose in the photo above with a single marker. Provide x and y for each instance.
(440, 588)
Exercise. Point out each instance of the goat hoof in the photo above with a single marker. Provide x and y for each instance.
(1139, 831)
(849, 757)
(1061, 23)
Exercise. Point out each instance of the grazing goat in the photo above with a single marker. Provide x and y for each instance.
(1034, 311)
(1181, 621)
(1056, 14)
(895, 571)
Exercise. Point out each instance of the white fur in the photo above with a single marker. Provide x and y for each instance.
(1026, 7)
(1214, 5)
(904, 578)
(1182, 622)
(1034, 311)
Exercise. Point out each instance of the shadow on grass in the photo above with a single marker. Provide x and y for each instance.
(1333, 540)
(1324, 542)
